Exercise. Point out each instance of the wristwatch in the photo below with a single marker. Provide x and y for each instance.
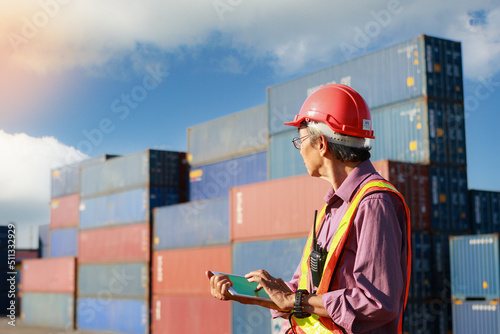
(297, 305)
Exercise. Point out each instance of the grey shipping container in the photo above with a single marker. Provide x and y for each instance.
(484, 211)
(284, 159)
(113, 315)
(193, 224)
(215, 180)
(423, 66)
(44, 241)
(280, 257)
(53, 310)
(114, 280)
(64, 242)
(66, 180)
(478, 317)
(126, 207)
(228, 137)
(140, 169)
(475, 267)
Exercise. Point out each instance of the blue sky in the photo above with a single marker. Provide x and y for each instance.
(120, 77)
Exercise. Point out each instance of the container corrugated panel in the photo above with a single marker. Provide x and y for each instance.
(192, 224)
(281, 208)
(115, 244)
(192, 263)
(484, 211)
(284, 159)
(449, 199)
(395, 73)
(478, 317)
(402, 72)
(44, 241)
(280, 258)
(124, 208)
(171, 314)
(64, 242)
(140, 169)
(49, 275)
(214, 180)
(441, 283)
(412, 181)
(429, 317)
(64, 211)
(475, 267)
(114, 280)
(225, 138)
(52, 310)
(66, 180)
(116, 315)
(421, 271)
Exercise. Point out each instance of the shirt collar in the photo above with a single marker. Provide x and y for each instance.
(351, 184)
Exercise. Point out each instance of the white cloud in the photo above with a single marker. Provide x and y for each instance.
(25, 181)
(54, 35)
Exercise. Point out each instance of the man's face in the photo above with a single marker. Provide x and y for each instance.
(309, 153)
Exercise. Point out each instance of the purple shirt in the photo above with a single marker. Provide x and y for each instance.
(367, 292)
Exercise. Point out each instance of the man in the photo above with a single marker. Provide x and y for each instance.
(354, 273)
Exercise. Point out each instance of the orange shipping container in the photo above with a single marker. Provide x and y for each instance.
(48, 275)
(181, 272)
(282, 208)
(171, 314)
(64, 211)
(115, 244)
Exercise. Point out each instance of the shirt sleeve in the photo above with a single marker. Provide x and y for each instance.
(372, 267)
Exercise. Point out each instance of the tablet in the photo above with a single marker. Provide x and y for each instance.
(242, 287)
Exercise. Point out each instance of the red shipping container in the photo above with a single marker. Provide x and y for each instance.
(64, 211)
(49, 275)
(413, 182)
(172, 314)
(282, 208)
(115, 244)
(181, 272)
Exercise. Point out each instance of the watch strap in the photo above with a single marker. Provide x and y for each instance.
(298, 312)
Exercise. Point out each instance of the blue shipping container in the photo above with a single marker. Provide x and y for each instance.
(214, 180)
(478, 317)
(423, 66)
(66, 180)
(441, 283)
(116, 315)
(44, 241)
(114, 280)
(64, 242)
(193, 224)
(280, 258)
(421, 269)
(484, 211)
(238, 134)
(124, 208)
(140, 169)
(53, 310)
(475, 267)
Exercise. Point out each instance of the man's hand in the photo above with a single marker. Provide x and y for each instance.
(219, 286)
(276, 288)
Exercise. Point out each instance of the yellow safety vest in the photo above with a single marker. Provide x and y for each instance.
(319, 325)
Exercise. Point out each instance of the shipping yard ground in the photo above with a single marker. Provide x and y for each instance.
(5, 328)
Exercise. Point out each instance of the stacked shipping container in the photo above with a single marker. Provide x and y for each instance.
(484, 211)
(228, 152)
(475, 284)
(117, 199)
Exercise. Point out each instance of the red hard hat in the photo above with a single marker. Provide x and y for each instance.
(339, 106)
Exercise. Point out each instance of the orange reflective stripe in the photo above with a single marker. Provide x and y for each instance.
(316, 324)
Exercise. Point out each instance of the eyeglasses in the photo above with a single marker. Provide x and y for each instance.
(297, 142)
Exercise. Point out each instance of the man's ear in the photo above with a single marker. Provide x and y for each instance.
(323, 145)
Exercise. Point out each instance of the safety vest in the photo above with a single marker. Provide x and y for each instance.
(319, 325)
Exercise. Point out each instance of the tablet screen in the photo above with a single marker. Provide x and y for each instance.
(242, 287)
